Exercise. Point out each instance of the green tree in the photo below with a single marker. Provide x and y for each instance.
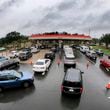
(105, 39)
(13, 38)
(95, 40)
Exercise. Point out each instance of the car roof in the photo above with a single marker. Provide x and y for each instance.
(42, 60)
(13, 51)
(1, 57)
(7, 72)
(92, 51)
(50, 52)
(73, 75)
(69, 56)
(24, 52)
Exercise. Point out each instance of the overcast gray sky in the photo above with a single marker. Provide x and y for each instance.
(39, 16)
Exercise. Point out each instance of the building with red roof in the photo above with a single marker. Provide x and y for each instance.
(78, 37)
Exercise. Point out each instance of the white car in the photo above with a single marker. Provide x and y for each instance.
(42, 65)
(65, 46)
(68, 51)
(34, 49)
(83, 49)
(14, 54)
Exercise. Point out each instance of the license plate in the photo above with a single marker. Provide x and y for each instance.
(71, 90)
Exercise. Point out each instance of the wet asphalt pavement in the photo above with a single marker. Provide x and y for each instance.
(46, 92)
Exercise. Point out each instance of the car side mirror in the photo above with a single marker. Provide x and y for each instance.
(82, 72)
(109, 57)
(16, 78)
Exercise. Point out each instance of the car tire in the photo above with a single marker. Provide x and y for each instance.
(79, 95)
(62, 94)
(1, 89)
(47, 69)
(74, 65)
(26, 84)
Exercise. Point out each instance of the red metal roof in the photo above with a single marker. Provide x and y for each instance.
(60, 36)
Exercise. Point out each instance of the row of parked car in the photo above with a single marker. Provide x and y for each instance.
(10, 78)
(24, 54)
(92, 54)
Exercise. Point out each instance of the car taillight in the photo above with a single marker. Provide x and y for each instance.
(61, 88)
(81, 89)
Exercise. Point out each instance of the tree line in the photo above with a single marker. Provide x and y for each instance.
(13, 38)
(105, 38)
(17, 38)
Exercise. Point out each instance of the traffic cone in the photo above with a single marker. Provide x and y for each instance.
(30, 62)
(108, 86)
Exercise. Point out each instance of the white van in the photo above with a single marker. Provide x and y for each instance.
(69, 59)
(68, 51)
(84, 49)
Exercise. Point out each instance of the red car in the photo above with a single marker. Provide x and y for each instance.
(105, 63)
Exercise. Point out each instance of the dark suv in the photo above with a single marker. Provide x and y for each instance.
(25, 55)
(72, 83)
(50, 55)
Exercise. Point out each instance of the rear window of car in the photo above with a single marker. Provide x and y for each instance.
(72, 84)
(69, 58)
(40, 63)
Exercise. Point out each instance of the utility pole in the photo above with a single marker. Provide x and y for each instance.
(89, 31)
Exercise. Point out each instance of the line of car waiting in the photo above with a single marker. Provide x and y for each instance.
(92, 54)
(72, 83)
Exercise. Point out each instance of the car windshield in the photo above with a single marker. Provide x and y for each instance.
(94, 54)
(72, 84)
(69, 58)
(21, 54)
(40, 63)
(17, 74)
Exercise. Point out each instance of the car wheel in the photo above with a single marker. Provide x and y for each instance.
(62, 94)
(74, 65)
(47, 69)
(1, 89)
(26, 84)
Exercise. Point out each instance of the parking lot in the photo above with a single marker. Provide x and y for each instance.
(46, 92)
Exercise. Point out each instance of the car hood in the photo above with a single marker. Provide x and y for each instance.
(27, 75)
(38, 65)
(106, 61)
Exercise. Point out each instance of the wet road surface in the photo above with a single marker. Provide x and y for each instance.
(46, 93)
